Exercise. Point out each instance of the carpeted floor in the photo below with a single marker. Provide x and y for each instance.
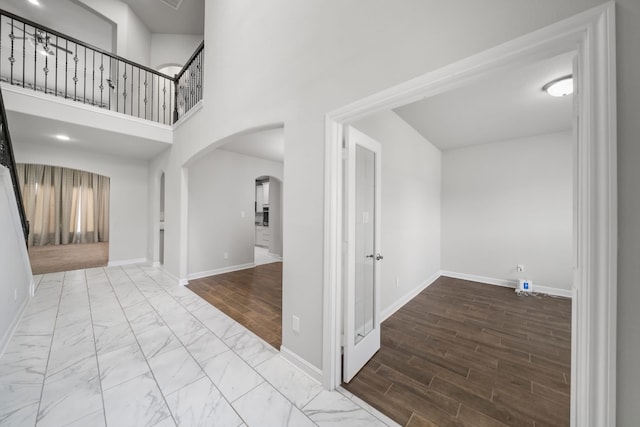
(54, 258)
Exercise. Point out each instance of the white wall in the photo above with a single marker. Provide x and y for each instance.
(66, 17)
(221, 187)
(291, 62)
(509, 203)
(275, 216)
(132, 36)
(14, 261)
(171, 49)
(129, 193)
(411, 170)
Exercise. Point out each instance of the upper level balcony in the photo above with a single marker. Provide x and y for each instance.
(46, 62)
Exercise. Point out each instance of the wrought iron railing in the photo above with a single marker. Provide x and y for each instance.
(8, 160)
(188, 83)
(36, 57)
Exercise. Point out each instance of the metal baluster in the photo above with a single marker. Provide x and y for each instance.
(158, 107)
(175, 98)
(124, 93)
(24, 53)
(101, 87)
(84, 90)
(151, 103)
(117, 83)
(75, 73)
(146, 76)
(164, 102)
(138, 92)
(198, 78)
(131, 94)
(93, 77)
(66, 69)
(12, 59)
(55, 87)
(46, 63)
(110, 83)
(35, 59)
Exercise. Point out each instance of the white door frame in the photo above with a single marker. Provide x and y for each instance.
(593, 356)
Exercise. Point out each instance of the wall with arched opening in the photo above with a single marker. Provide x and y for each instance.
(221, 210)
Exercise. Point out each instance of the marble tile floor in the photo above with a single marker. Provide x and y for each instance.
(126, 346)
(263, 256)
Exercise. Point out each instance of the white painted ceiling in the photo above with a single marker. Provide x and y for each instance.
(36, 129)
(268, 144)
(504, 106)
(162, 18)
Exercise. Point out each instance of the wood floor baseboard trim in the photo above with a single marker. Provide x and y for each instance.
(300, 363)
(547, 290)
(388, 312)
(215, 272)
(126, 262)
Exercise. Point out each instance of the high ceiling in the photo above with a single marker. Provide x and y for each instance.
(162, 18)
(504, 106)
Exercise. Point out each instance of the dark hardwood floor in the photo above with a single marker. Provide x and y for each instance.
(252, 297)
(469, 354)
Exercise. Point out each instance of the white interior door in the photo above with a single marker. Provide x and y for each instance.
(362, 296)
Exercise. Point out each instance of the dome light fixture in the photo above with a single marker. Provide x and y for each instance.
(63, 137)
(562, 86)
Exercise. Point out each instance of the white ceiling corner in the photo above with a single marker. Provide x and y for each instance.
(505, 106)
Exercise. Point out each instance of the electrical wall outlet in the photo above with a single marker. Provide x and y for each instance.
(225, 255)
(520, 268)
(295, 323)
(15, 294)
(397, 282)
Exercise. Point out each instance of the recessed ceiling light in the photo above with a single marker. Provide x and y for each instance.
(560, 87)
(63, 137)
(34, 2)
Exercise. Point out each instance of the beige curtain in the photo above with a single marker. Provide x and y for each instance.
(64, 205)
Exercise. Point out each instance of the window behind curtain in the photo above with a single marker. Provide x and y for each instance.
(64, 205)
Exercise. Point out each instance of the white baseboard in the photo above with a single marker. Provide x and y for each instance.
(222, 270)
(126, 262)
(508, 283)
(556, 292)
(14, 324)
(386, 313)
(300, 363)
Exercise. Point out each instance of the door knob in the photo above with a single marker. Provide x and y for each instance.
(379, 257)
(369, 256)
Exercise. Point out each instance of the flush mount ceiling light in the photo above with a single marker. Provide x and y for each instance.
(63, 137)
(34, 2)
(560, 87)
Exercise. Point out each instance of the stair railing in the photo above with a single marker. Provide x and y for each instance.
(8, 160)
(188, 84)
